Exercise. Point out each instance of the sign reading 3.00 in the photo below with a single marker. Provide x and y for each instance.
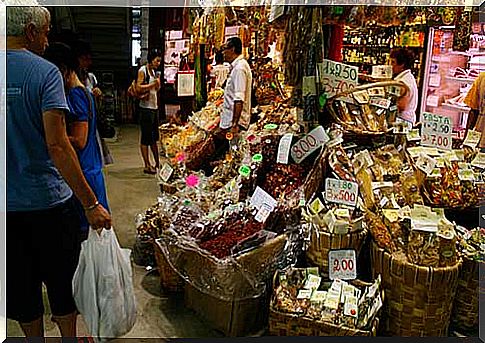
(436, 131)
(337, 77)
(341, 191)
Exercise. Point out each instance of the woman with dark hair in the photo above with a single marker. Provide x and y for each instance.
(148, 81)
(402, 61)
(81, 123)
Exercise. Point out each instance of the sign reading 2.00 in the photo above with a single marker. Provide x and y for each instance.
(341, 191)
(436, 131)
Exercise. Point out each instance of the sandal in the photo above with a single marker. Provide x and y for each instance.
(150, 171)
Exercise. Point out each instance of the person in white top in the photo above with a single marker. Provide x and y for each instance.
(219, 72)
(236, 111)
(402, 61)
(149, 110)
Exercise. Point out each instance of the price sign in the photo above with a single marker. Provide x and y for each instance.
(308, 144)
(284, 148)
(436, 131)
(382, 71)
(260, 197)
(381, 102)
(472, 139)
(263, 213)
(337, 77)
(342, 264)
(165, 172)
(479, 161)
(341, 191)
(426, 163)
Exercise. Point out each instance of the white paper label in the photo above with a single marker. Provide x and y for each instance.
(479, 160)
(413, 135)
(284, 148)
(316, 206)
(309, 86)
(165, 172)
(337, 77)
(308, 144)
(362, 97)
(435, 80)
(432, 101)
(381, 102)
(341, 191)
(263, 213)
(312, 282)
(342, 264)
(260, 197)
(436, 131)
(466, 175)
(425, 163)
(382, 71)
(472, 139)
(377, 91)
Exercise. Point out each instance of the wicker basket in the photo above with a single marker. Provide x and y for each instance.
(419, 299)
(323, 242)
(169, 279)
(288, 324)
(465, 308)
(351, 126)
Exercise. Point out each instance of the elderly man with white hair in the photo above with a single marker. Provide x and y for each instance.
(43, 172)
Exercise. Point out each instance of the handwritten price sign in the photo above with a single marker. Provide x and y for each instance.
(342, 264)
(341, 191)
(436, 131)
(308, 144)
(337, 77)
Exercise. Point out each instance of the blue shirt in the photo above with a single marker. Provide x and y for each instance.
(90, 156)
(34, 86)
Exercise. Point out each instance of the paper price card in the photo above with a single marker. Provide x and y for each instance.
(260, 197)
(436, 131)
(337, 77)
(425, 163)
(472, 139)
(165, 172)
(382, 71)
(263, 213)
(341, 191)
(479, 161)
(308, 144)
(413, 135)
(284, 148)
(316, 206)
(381, 102)
(342, 264)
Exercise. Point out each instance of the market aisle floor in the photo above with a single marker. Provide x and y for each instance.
(130, 192)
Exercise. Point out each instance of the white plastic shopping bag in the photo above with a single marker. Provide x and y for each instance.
(103, 286)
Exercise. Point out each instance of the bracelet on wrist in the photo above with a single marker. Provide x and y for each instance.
(92, 207)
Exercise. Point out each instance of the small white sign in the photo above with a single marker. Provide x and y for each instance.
(342, 264)
(284, 148)
(165, 172)
(472, 139)
(341, 191)
(479, 160)
(309, 87)
(308, 144)
(436, 131)
(260, 197)
(381, 103)
(382, 71)
(425, 163)
(263, 213)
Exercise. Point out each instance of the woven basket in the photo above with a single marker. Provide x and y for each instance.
(465, 308)
(321, 244)
(419, 299)
(352, 127)
(169, 279)
(288, 324)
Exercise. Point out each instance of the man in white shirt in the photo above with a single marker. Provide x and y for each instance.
(236, 111)
(402, 61)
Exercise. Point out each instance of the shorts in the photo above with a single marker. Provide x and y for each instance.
(149, 126)
(42, 247)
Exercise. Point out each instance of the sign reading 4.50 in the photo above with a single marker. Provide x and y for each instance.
(341, 191)
(436, 131)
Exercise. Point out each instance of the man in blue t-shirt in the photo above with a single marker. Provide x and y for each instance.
(43, 172)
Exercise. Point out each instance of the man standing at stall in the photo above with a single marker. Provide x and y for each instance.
(236, 110)
(475, 99)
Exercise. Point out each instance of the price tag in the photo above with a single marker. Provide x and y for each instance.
(382, 71)
(309, 86)
(342, 264)
(377, 91)
(394, 90)
(436, 131)
(479, 160)
(341, 191)
(337, 77)
(435, 80)
(413, 135)
(472, 139)
(263, 213)
(432, 101)
(244, 171)
(425, 163)
(308, 144)
(260, 197)
(362, 97)
(380, 102)
(466, 175)
(284, 148)
(316, 206)
(165, 172)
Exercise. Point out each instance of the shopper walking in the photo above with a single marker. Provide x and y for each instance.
(219, 72)
(402, 61)
(475, 99)
(43, 172)
(82, 125)
(148, 81)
